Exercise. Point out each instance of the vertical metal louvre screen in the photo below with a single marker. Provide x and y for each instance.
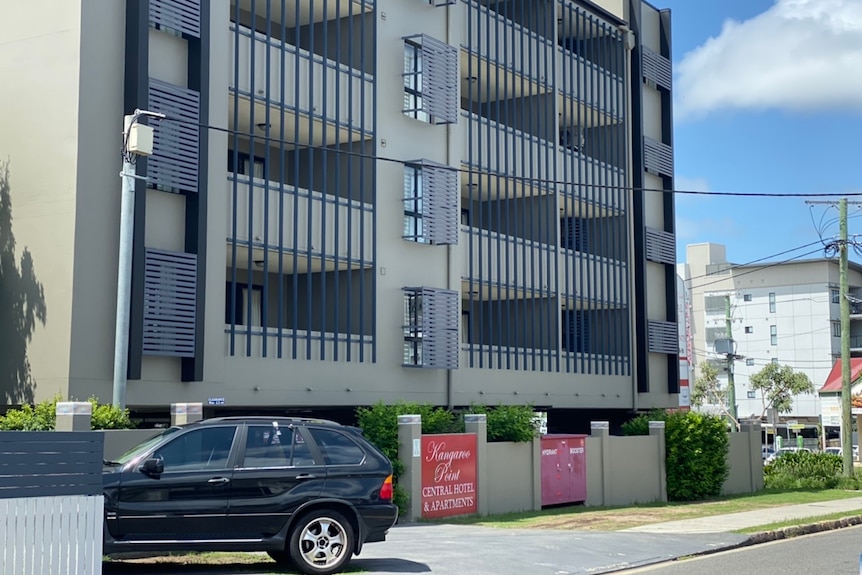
(169, 303)
(440, 328)
(180, 15)
(442, 199)
(174, 163)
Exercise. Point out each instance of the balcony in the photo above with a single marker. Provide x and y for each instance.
(502, 49)
(594, 282)
(589, 95)
(494, 147)
(348, 97)
(329, 231)
(248, 341)
(506, 357)
(308, 11)
(505, 267)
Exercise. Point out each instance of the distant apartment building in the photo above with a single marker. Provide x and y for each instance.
(350, 201)
(785, 313)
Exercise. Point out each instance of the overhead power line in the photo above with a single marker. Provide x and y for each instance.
(521, 179)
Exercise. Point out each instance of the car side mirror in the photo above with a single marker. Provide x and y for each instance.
(153, 466)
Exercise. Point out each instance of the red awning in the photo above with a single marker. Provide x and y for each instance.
(833, 382)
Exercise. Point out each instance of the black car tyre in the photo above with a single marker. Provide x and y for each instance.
(321, 542)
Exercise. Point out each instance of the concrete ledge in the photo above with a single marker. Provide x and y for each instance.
(806, 529)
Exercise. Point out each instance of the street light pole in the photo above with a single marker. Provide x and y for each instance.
(137, 141)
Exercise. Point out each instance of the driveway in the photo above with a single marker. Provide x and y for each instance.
(489, 551)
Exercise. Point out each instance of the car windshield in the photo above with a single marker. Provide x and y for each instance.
(145, 446)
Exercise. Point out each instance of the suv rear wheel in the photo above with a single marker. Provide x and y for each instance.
(321, 543)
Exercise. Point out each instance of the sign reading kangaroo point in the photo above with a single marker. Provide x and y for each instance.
(449, 475)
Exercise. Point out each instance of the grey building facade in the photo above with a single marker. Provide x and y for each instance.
(350, 201)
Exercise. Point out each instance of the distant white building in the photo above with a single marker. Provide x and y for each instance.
(785, 313)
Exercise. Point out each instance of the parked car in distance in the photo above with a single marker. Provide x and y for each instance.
(767, 450)
(779, 452)
(309, 492)
(838, 451)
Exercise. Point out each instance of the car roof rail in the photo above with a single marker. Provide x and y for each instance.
(262, 418)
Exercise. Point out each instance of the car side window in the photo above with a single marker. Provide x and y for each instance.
(338, 448)
(302, 456)
(197, 450)
(268, 446)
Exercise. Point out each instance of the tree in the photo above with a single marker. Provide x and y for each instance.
(778, 385)
(708, 391)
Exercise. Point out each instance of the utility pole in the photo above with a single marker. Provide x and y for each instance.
(137, 141)
(731, 356)
(846, 417)
(844, 303)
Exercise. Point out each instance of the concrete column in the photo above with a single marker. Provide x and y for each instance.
(755, 454)
(410, 455)
(656, 429)
(74, 416)
(601, 430)
(477, 423)
(182, 413)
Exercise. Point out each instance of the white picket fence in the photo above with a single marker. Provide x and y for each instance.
(51, 535)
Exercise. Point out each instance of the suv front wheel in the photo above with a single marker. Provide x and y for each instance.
(321, 543)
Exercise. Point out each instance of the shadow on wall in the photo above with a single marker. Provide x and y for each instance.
(22, 304)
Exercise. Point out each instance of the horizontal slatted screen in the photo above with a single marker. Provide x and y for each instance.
(180, 15)
(660, 246)
(657, 69)
(440, 193)
(174, 163)
(440, 318)
(663, 337)
(658, 158)
(50, 463)
(439, 80)
(170, 303)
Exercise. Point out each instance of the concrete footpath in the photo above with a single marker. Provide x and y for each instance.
(749, 519)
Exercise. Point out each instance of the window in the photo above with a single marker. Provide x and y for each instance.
(749, 361)
(414, 230)
(268, 446)
(413, 328)
(245, 165)
(836, 329)
(774, 361)
(198, 450)
(749, 329)
(413, 82)
(246, 302)
(714, 304)
(772, 302)
(836, 297)
(746, 297)
(749, 394)
(337, 448)
(773, 335)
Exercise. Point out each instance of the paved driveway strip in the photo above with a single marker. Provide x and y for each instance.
(490, 551)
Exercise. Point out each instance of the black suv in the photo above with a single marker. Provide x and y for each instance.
(309, 492)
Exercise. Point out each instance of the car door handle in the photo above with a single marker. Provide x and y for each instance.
(304, 476)
(218, 480)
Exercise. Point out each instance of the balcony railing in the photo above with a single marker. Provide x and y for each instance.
(323, 224)
(510, 264)
(589, 83)
(593, 278)
(307, 344)
(506, 357)
(348, 97)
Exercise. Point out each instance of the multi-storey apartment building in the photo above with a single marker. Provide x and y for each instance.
(786, 313)
(350, 201)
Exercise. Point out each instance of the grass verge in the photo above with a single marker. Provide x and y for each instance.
(616, 518)
(800, 521)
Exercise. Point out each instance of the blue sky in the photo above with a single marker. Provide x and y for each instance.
(767, 98)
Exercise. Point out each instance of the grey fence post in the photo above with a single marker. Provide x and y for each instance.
(478, 423)
(656, 429)
(601, 430)
(755, 454)
(74, 416)
(537, 472)
(182, 413)
(410, 455)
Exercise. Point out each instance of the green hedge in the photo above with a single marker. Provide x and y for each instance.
(804, 470)
(43, 417)
(696, 448)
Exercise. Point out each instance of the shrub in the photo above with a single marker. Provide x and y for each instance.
(804, 470)
(696, 448)
(509, 422)
(43, 417)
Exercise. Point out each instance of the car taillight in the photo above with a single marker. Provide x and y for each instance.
(386, 489)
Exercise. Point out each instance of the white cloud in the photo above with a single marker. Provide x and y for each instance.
(798, 55)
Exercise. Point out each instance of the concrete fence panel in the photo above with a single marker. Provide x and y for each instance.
(635, 470)
(509, 478)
